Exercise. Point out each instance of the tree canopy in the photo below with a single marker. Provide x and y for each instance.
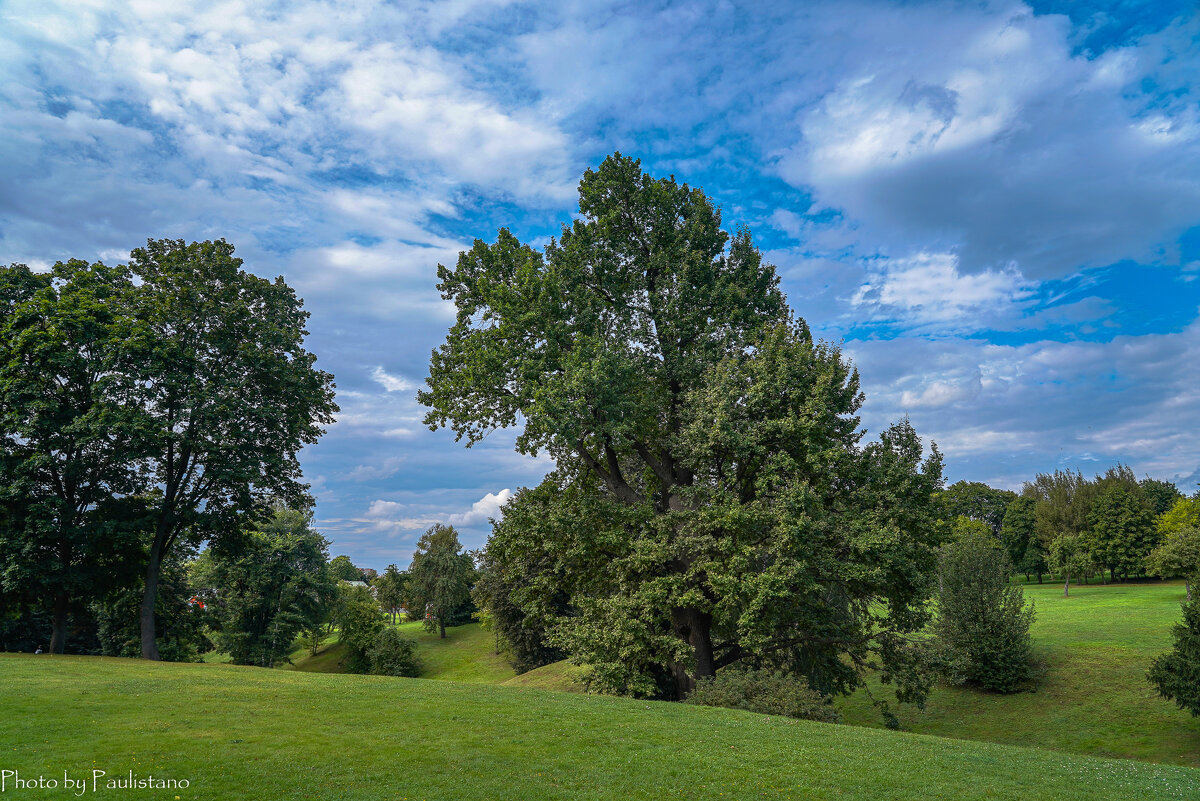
(712, 502)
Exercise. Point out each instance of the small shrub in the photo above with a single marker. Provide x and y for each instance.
(983, 622)
(394, 655)
(763, 692)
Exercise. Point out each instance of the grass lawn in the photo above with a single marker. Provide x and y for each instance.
(237, 732)
(1094, 697)
(467, 654)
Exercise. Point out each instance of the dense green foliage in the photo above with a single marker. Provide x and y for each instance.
(976, 501)
(982, 622)
(184, 628)
(144, 408)
(273, 586)
(1177, 556)
(389, 591)
(712, 503)
(394, 655)
(1176, 674)
(229, 395)
(359, 623)
(440, 578)
(70, 439)
(342, 569)
(1160, 496)
(1122, 532)
(1018, 534)
(764, 692)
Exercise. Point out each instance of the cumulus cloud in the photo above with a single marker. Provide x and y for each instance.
(929, 289)
(395, 517)
(984, 129)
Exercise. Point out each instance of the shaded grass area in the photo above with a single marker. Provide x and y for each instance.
(1093, 697)
(238, 732)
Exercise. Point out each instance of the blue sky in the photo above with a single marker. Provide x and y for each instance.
(995, 206)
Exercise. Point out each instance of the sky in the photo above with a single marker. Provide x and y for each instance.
(993, 206)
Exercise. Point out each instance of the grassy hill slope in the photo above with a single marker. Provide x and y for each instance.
(251, 733)
(1094, 698)
(467, 654)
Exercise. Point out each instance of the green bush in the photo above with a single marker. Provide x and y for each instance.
(360, 622)
(982, 623)
(1176, 674)
(763, 692)
(394, 655)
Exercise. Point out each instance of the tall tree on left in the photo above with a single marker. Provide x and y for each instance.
(69, 436)
(229, 396)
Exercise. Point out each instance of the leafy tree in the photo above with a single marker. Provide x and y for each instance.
(359, 625)
(1063, 503)
(1018, 535)
(183, 630)
(977, 501)
(1183, 514)
(1176, 674)
(275, 585)
(982, 621)
(1178, 556)
(342, 569)
(1069, 556)
(1160, 495)
(394, 655)
(1122, 532)
(521, 587)
(68, 442)
(389, 591)
(441, 575)
(714, 504)
(228, 396)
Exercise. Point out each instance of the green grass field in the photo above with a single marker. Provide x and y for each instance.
(249, 733)
(1094, 698)
(468, 654)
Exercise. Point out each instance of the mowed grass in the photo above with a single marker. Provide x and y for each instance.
(237, 732)
(468, 654)
(1093, 698)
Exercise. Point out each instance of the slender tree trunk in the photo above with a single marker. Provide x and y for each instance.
(149, 596)
(442, 627)
(1067, 586)
(58, 635)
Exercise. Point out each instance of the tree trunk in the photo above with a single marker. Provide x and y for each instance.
(1067, 586)
(442, 627)
(58, 635)
(1039, 575)
(149, 597)
(693, 626)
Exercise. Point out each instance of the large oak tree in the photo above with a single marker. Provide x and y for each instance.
(712, 503)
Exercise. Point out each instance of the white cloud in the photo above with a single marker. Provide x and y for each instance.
(375, 472)
(392, 383)
(396, 517)
(928, 289)
(486, 507)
